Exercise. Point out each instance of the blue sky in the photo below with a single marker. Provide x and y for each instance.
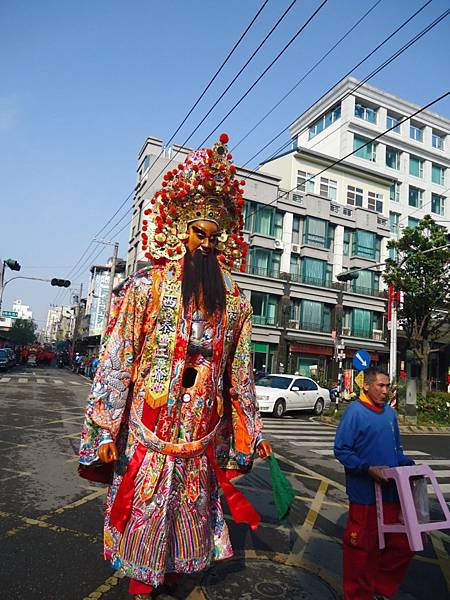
(84, 83)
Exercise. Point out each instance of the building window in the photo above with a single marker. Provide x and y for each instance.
(394, 192)
(392, 121)
(263, 220)
(437, 140)
(316, 232)
(415, 197)
(354, 196)
(328, 188)
(416, 166)
(392, 158)
(264, 308)
(278, 225)
(362, 323)
(368, 283)
(315, 316)
(363, 149)
(393, 222)
(437, 204)
(416, 132)
(364, 244)
(315, 272)
(438, 174)
(305, 182)
(295, 267)
(347, 238)
(412, 222)
(296, 230)
(325, 121)
(264, 262)
(367, 113)
(375, 201)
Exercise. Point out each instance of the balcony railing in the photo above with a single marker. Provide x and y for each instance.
(364, 291)
(362, 333)
(263, 271)
(308, 326)
(263, 320)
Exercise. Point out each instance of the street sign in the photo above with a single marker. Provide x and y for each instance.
(9, 313)
(361, 360)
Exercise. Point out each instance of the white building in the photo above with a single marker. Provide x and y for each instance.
(23, 311)
(415, 154)
(98, 294)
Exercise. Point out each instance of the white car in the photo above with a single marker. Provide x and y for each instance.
(278, 394)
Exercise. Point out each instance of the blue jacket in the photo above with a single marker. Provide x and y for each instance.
(367, 438)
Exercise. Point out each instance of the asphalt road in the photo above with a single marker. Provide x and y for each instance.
(51, 520)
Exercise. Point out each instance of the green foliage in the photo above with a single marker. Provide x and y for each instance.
(434, 408)
(23, 332)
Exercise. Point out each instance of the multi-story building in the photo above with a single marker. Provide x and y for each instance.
(299, 241)
(23, 310)
(415, 154)
(97, 295)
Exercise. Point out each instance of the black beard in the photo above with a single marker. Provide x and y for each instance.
(202, 279)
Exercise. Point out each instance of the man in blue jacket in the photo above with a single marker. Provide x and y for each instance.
(368, 441)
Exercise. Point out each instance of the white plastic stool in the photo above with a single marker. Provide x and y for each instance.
(411, 526)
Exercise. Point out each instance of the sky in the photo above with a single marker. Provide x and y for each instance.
(83, 84)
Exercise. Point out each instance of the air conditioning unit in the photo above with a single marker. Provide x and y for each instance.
(293, 324)
(377, 335)
(279, 244)
(295, 248)
(346, 331)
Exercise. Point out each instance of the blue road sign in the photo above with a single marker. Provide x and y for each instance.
(361, 360)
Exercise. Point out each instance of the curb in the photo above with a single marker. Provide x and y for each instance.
(403, 428)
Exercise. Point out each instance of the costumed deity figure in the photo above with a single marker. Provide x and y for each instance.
(172, 406)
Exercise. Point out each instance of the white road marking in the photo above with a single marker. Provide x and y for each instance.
(23, 380)
(39, 380)
(5, 379)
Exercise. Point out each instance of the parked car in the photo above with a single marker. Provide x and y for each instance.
(280, 393)
(11, 356)
(4, 360)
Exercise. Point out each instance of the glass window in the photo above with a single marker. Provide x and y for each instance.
(415, 197)
(362, 111)
(275, 381)
(394, 192)
(314, 316)
(314, 271)
(325, 121)
(347, 236)
(278, 225)
(375, 201)
(392, 121)
(305, 182)
(316, 232)
(438, 174)
(412, 222)
(248, 215)
(296, 230)
(264, 262)
(295, 267)
(368, 282)
(362, 323)
(363, 149)
(354, 196)
(416, 132)
(437, 204)
(328, 188)
(437, 140)
(364, 244)
(393, 222)
(264, 308)
(392, 158)
(416, 166)
(263, 222)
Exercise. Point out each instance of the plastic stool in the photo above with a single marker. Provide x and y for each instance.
(411, 526)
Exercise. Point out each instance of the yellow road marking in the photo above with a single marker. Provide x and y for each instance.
(104, 587)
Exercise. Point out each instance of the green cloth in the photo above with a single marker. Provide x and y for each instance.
(283, 492)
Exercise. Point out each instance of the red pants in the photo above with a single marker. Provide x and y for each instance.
(367, 569)
(137, 587)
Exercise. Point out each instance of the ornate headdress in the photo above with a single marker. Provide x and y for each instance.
(203, 188)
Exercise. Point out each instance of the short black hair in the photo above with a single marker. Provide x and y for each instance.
(371, 373)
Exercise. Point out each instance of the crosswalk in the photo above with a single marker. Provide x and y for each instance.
(318, 438)
(32, 379)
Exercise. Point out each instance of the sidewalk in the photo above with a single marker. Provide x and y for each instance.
(330, 420)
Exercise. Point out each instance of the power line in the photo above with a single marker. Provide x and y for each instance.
(226, 89)
(337, 83)
(341, 39)
(244, 33)
(294, 37)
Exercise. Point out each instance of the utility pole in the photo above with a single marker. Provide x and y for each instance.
(393, 295)
(283, 316)
(110, 288)
(338, 344)
(77, 322)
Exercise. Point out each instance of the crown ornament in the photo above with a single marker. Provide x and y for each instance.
(202, 188)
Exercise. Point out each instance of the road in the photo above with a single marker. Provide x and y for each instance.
(51, 520)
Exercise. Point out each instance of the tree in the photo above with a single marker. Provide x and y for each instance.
(23, 332)
(421, 271)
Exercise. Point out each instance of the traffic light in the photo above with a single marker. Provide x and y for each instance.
(60, 282)
(348, 275)
(12, 264)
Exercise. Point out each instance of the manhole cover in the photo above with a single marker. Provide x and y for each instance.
(263, 579)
